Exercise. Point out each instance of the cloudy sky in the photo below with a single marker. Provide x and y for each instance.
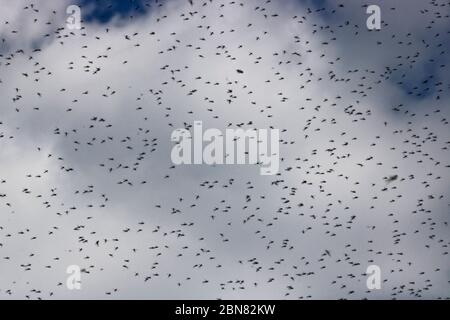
(86, 177)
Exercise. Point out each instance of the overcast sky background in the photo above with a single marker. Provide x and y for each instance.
(389, 94)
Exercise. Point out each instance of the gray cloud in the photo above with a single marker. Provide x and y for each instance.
(330, 93)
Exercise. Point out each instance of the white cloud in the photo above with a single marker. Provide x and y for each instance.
(153, 96)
